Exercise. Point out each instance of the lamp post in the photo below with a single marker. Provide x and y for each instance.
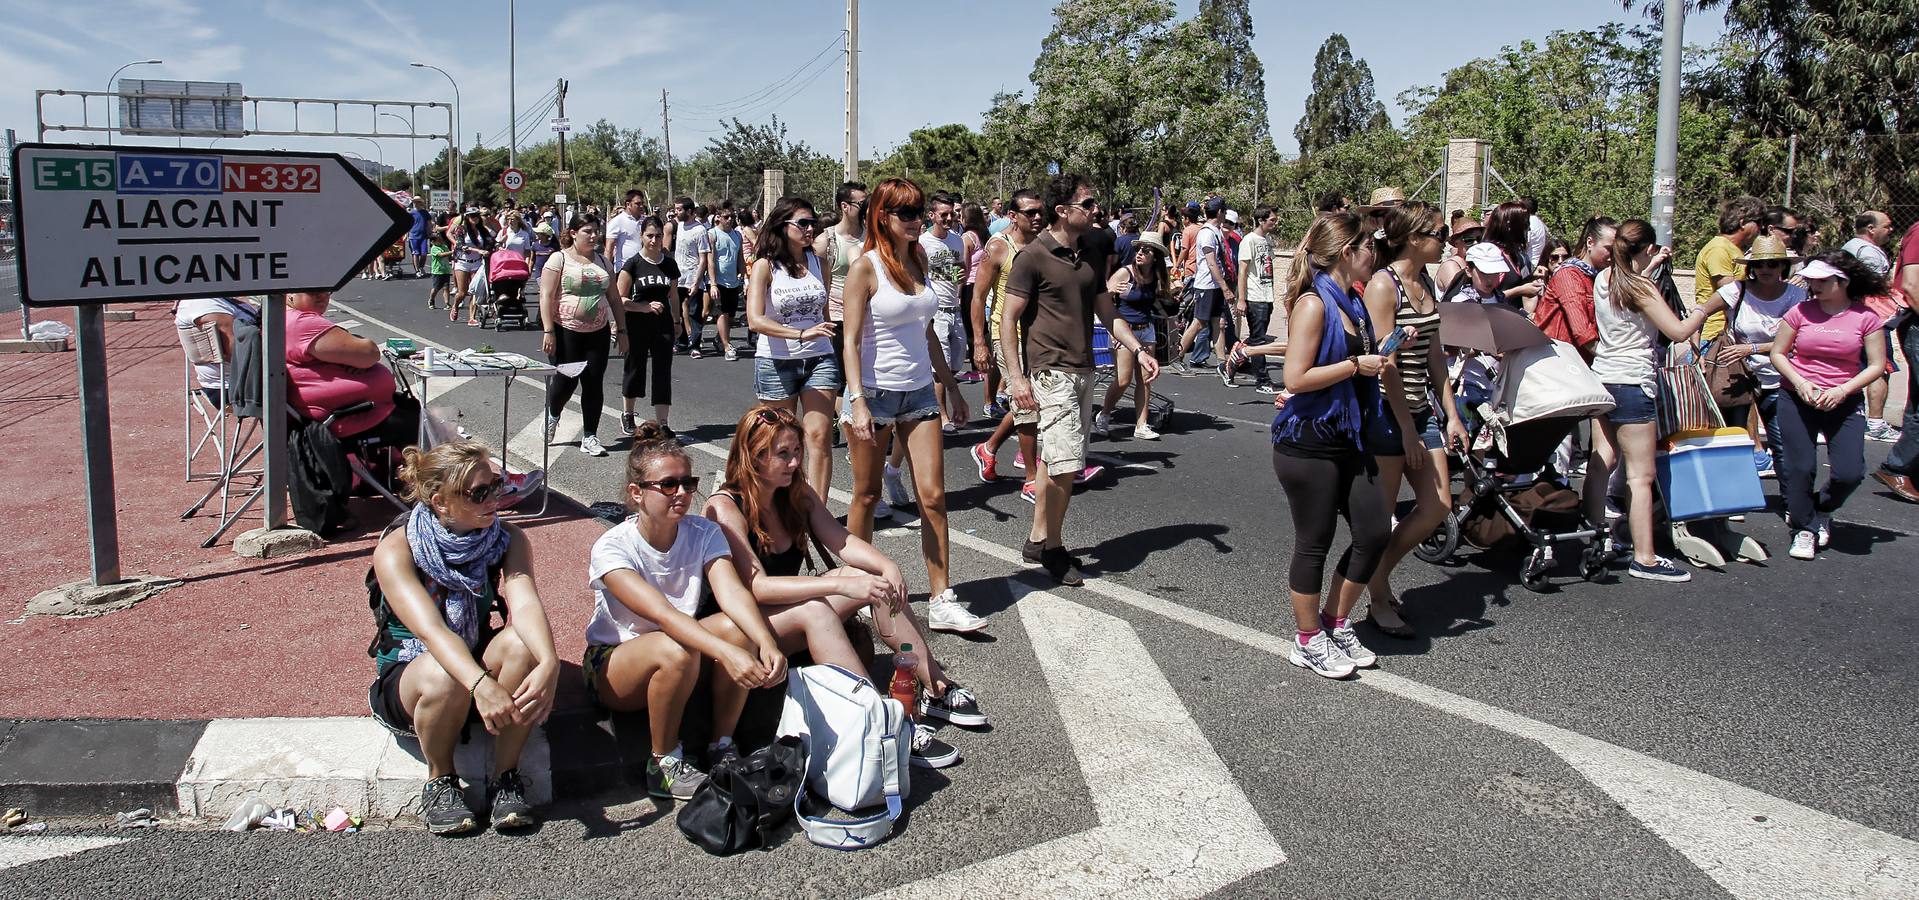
(381, 152)
(459, 183)
(413, 175)
(116, 77)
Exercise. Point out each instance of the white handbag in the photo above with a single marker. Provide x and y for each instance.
(857, 742)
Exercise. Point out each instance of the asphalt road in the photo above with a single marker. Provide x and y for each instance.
(1596, 739)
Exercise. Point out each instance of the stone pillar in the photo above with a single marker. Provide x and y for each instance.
(772, 188)
(1465, 176)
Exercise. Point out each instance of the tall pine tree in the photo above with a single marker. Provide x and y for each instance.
(1342, 103)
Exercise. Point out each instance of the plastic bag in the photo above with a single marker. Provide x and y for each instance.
(49, 330)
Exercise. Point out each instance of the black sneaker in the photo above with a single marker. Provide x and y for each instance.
(510, 809)
(626, 424)
(444, 808)
(1062, 566)
(957, 707)
(1033, 552)
(930, 752)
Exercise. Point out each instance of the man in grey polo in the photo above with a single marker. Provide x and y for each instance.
(1052, 294)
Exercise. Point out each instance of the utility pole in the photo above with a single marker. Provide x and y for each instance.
(666, 136)
(1665, 164)
(512, 106)
(559, 184)
(852, 150)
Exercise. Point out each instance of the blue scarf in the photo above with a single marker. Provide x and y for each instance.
(457, 565)
(1334, 411)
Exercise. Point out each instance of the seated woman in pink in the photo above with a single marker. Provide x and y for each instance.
(329, 368)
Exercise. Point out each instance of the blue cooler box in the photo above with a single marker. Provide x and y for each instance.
(1102, 346)
(1709, 473)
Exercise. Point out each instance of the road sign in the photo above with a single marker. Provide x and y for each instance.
(559, 198)
(101, 225)
(442, 200)
(562, 124)
(513, 180)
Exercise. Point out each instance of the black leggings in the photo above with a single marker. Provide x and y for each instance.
(648, 335)
(1800, 426)
(1319, 492)
(574, 346)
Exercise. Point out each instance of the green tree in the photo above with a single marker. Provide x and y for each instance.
(942, 158)
(1343, 103)
(1096, 72)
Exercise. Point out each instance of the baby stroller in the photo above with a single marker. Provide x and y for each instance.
(506, 277)
(1511, 496)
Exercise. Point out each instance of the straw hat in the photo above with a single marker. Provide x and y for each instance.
(1769, 248)
(1150, 240)
(1386, 196)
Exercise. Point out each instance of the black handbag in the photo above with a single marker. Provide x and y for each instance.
(745, 801)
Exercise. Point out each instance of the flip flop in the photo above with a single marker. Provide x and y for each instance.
(1403, 632)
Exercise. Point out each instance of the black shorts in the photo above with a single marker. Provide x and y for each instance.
(383, 696)
(729, 301)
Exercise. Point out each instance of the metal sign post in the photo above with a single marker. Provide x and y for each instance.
(133, 224)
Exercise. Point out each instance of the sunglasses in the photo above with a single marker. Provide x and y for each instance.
(1031, 212)
(1437, 235)
(908, 213)
(1557, 257)
(773, 416)
(1769, 264)
(803, 223)
(690, 483)
(1089, 204)
(478, 496)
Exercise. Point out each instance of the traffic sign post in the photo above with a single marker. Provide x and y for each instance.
(562, 125)
(512, 180)
(131, 224)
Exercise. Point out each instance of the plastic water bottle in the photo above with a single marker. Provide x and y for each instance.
(904, 687)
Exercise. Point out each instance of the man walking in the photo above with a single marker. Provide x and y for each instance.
(945, 270)
(693, 251)
(1869, 234)
(1256, 292)
(729, 283)
(1717, 264)
(1212, 291)
(623, 231)
(1054, 292)
(996, 265)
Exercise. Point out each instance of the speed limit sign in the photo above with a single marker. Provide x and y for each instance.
(512, 180)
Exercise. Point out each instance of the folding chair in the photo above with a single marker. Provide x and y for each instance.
(235, 441)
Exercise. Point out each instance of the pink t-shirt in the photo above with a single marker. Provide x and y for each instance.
(322, 387)
(1828, 350)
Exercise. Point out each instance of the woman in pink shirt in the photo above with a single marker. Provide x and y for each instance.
(1826, 352)
(330, 368)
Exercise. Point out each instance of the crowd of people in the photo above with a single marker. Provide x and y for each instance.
(865, 327)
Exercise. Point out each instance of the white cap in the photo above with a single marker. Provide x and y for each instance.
(1232, 215)
(1487, 258)
(1819, 268)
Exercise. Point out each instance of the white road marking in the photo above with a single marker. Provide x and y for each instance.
(526, 444)
(1795, 851)
(1157, 837)
(18, 850)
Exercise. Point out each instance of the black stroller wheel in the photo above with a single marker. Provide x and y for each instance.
(1592, 562)
(1533, 575)
(1440, 546)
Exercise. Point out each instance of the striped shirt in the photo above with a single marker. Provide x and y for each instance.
(1414, 374)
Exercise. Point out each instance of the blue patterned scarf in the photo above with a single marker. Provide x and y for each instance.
(1334, 411)
(457, 564)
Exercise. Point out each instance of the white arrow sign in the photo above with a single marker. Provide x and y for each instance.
(148, 223)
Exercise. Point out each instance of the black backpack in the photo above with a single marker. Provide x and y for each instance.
(746, 801)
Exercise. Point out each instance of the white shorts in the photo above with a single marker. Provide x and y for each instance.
(949, 334)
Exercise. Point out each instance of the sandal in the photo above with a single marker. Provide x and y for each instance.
(1403, 631)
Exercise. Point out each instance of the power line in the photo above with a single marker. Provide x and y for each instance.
(775, 101)
(753, 98)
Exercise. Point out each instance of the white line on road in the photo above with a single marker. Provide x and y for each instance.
(1157, 837)
(18, 850)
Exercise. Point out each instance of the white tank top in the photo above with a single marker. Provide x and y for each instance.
(1628, 345)
(893, 341)
(796, 303)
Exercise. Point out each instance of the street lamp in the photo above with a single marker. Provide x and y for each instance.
(413, 175)
(381, 151)
(116, 77)
(459, 183)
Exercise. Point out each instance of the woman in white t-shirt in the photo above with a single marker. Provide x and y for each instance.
(889, 382)
(793, 361)
(219, 313)
(644, 645)
(1754, 307)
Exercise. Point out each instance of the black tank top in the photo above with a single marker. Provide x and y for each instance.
(781, 564)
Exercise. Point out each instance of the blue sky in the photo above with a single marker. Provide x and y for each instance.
(918, 67)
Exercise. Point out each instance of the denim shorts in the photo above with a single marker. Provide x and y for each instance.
(783, 379)
(887, 407)
(1634, 404)
(1383, 438)
(1209, 304)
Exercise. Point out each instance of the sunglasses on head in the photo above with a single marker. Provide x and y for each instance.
(690, 483)
(908, 213)
(478, 496)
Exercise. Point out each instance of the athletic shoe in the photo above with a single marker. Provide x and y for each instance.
(1062, 566)
(1181, 367)
(552, 425)
(1019, 459)
(896, 493)
(995, 411)
(1822, 529)
(1613, 509)
(930, 752)
(510, 809)
(949, 428)
(1348, 644)
(626, 424)
(1145, 433)
(732, 355)
(988, 465)
(443, 806)
(1102, 423)
(883, 511)
(590, 445)
(694, 352)
(672, 778)
(1804, 545)
(944, 613)
(972, 378)
(957, 707)
(1662, 569)
(1267, 388)
(1882, 431)
(1763, 461)
(1026, 494)
(1225, 375)
(1322, 656)
(1088, 474)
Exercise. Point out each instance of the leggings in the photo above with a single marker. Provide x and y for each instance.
(574, 346)
(1319, 491)
(648, 335)
(1845, 429)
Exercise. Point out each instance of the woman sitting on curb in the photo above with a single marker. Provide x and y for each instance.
(644, 646)
(765, 504)
(435, 585)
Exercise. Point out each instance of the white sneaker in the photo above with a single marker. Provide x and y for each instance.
(1348, 644)
(732, 354)
(883, 511)
(1145, 433)
(1822, 530)
(1322, 656)
(1803, 546)
(896, 494)
(1102, 423)
(944, 613)
(590, 445)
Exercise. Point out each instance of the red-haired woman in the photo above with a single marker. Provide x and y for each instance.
(772, 520)
(889, 382)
